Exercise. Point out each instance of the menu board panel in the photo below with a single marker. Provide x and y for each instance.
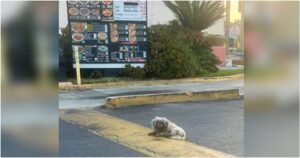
(128, 53)
(93, 53)
(89, 33)
(129, 33)
(109, 31)
(107, 10)
(91, 10)
(81, 11)
(130, 10)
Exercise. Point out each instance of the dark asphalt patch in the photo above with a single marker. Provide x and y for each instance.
(78, 142)
(215, 124)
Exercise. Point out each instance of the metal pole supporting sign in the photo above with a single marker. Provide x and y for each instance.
(77, 65)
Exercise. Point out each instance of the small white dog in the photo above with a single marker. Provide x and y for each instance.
(162, 127)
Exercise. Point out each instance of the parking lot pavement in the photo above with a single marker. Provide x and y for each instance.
(78, 142)
(215, 124)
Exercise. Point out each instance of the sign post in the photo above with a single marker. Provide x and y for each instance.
(77, 66)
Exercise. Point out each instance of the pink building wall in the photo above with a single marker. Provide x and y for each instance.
(220, 52)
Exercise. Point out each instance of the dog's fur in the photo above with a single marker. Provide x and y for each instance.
(162, 127)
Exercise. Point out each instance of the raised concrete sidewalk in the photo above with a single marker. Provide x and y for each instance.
(135, 136)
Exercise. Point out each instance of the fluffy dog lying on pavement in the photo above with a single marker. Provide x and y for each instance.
(164, 128)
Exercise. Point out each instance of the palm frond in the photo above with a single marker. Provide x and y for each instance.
(196, 15)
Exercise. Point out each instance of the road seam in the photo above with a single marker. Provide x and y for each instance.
(135, 136)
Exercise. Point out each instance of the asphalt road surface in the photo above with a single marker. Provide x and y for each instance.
(78, 142)
(215, 124)
(96, 97)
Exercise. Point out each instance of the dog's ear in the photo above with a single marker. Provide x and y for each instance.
(153, 122)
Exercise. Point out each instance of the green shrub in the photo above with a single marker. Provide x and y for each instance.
(133, 72)
(172, 56)
(169, 53)
(204, 61)
(96, 74)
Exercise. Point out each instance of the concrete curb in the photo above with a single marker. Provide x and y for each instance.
(238, 62)
(65, 84)
(148, 83)
(131, 100)
(135, 136)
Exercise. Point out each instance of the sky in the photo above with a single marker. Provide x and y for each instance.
(158, 13)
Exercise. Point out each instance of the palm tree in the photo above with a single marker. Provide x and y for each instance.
(196, 16)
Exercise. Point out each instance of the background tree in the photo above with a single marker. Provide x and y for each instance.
(67, 51)
(171, 55)
(196, 16)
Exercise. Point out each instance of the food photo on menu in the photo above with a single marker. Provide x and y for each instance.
(77, 37)
(74, 13)
(132, 32)
(114, 34)
(95, 14)
(84, 13)
(102, 36)
(78, 26)
(78, 29)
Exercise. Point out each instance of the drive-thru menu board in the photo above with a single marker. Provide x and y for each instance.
(109, 32)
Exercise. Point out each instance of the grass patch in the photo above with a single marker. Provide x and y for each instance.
(122, 79)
